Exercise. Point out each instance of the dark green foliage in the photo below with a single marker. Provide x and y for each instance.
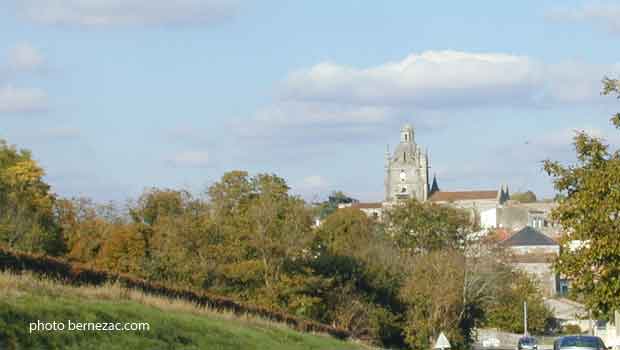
(331, 205)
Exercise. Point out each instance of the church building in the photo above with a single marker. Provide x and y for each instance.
(407, 176)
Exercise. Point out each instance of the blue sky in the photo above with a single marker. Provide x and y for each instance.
(115, 96)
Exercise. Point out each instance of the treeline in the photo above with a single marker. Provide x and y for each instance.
(397, 282)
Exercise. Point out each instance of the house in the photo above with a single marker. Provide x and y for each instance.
(513, 215)
(534, 252)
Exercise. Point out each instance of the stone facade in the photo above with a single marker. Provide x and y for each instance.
(406, 170)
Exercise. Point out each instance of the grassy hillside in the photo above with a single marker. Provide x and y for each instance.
(174, 324)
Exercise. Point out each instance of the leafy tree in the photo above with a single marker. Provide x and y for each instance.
(123, 251)
(331, 205)
(281, 225)
(590, 215)
(524, 197)
(434, 293)
(85, 227)
(346, 231)
(417, 227)
(27, 219)
(263, 229)
(505, 309)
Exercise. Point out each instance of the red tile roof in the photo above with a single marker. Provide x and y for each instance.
(497, 235)
(443, 196)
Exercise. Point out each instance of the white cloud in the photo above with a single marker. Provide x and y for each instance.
(17, 100)
(192, 159)
(440, 79)
(101, 13)
(24, 57)
(598, 13)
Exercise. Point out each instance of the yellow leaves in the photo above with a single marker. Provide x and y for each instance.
(23, 173)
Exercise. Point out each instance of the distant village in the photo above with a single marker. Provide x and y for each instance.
(524, 228)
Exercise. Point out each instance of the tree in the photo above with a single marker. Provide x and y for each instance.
(524, 197)
(331, 205)
(27, 219)
(263, 229)
(280, 225)
(589, 212)
(418, 227)
(434, 294)
(85, 226)
(345, 231)
(505, 309)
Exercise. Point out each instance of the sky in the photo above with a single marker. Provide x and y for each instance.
(116, 96)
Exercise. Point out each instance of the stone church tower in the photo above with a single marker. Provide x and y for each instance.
(406, 171)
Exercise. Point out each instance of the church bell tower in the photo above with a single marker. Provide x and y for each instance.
(406, 169)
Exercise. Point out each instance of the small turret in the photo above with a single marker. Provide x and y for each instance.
(406, 134)
(435, 186)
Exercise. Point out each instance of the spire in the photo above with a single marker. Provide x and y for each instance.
(435, 186)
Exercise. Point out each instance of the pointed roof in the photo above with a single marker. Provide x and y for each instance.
(529, 236)
(434, 186)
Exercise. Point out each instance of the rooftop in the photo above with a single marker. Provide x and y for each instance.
(529, 236)
(444, 196)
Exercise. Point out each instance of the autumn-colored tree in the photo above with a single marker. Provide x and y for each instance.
(347, 231)
(434, 293)
(26, 204)
(589, 211)
(123, 251)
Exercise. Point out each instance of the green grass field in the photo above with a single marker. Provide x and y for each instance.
(174, 324)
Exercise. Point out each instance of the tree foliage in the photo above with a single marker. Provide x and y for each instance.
(330, 206)
(524, 197)
(423, 227)
(505, 309)
(27, 219)
(590, 214)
